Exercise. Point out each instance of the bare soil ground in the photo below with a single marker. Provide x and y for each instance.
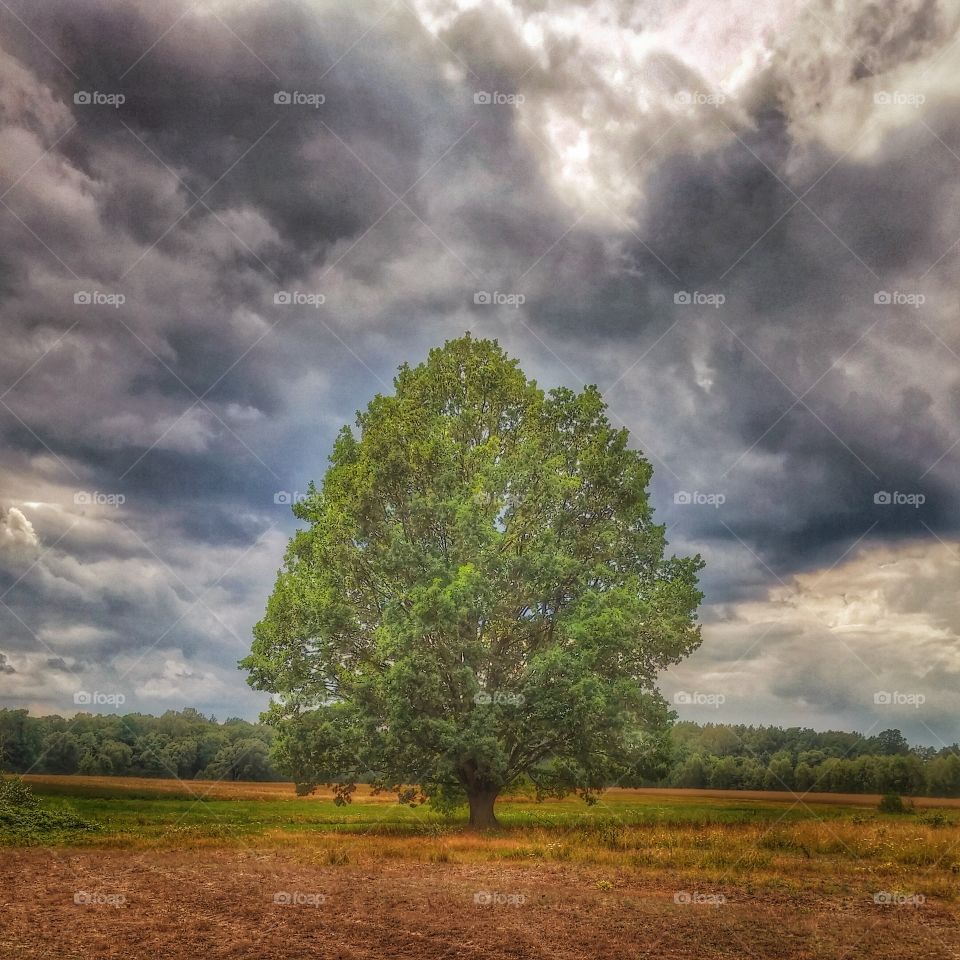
(218, 904)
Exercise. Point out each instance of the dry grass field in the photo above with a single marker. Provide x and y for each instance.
(249, 790)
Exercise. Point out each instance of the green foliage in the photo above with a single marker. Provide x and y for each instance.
(23, 820)
(15, 793)
(892, 803)
(692, 772)
(480, 594)
(19, 740)
(779, 774)
(943, 775)
(731, 756)
(183, 744)
(26, 824)
(246, 759)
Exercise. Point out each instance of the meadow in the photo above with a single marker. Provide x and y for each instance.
(205, 868)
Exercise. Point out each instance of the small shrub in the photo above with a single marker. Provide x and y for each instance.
(935, 818)
(15, 793)
(892, 803)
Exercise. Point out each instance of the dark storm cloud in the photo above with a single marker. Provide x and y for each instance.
(800, 280)
(199, 400)
(202, 96)
(304, 191)
(184, 400)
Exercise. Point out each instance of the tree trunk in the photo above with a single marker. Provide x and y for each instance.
(481, 809)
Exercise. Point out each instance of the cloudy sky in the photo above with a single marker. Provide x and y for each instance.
(224, 224)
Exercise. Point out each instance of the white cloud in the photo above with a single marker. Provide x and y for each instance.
(16, 531)
(819, 648)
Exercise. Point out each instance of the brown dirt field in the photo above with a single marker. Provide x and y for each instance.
(218, 905)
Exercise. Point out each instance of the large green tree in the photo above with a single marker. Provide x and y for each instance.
(480, 596)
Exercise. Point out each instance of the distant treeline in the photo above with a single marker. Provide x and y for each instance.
(183, 744)
(189, 745)
(738, 757)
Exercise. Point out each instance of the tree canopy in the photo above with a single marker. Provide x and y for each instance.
(480, 596)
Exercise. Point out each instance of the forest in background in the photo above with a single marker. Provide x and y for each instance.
(183, 744)
(189, 745)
